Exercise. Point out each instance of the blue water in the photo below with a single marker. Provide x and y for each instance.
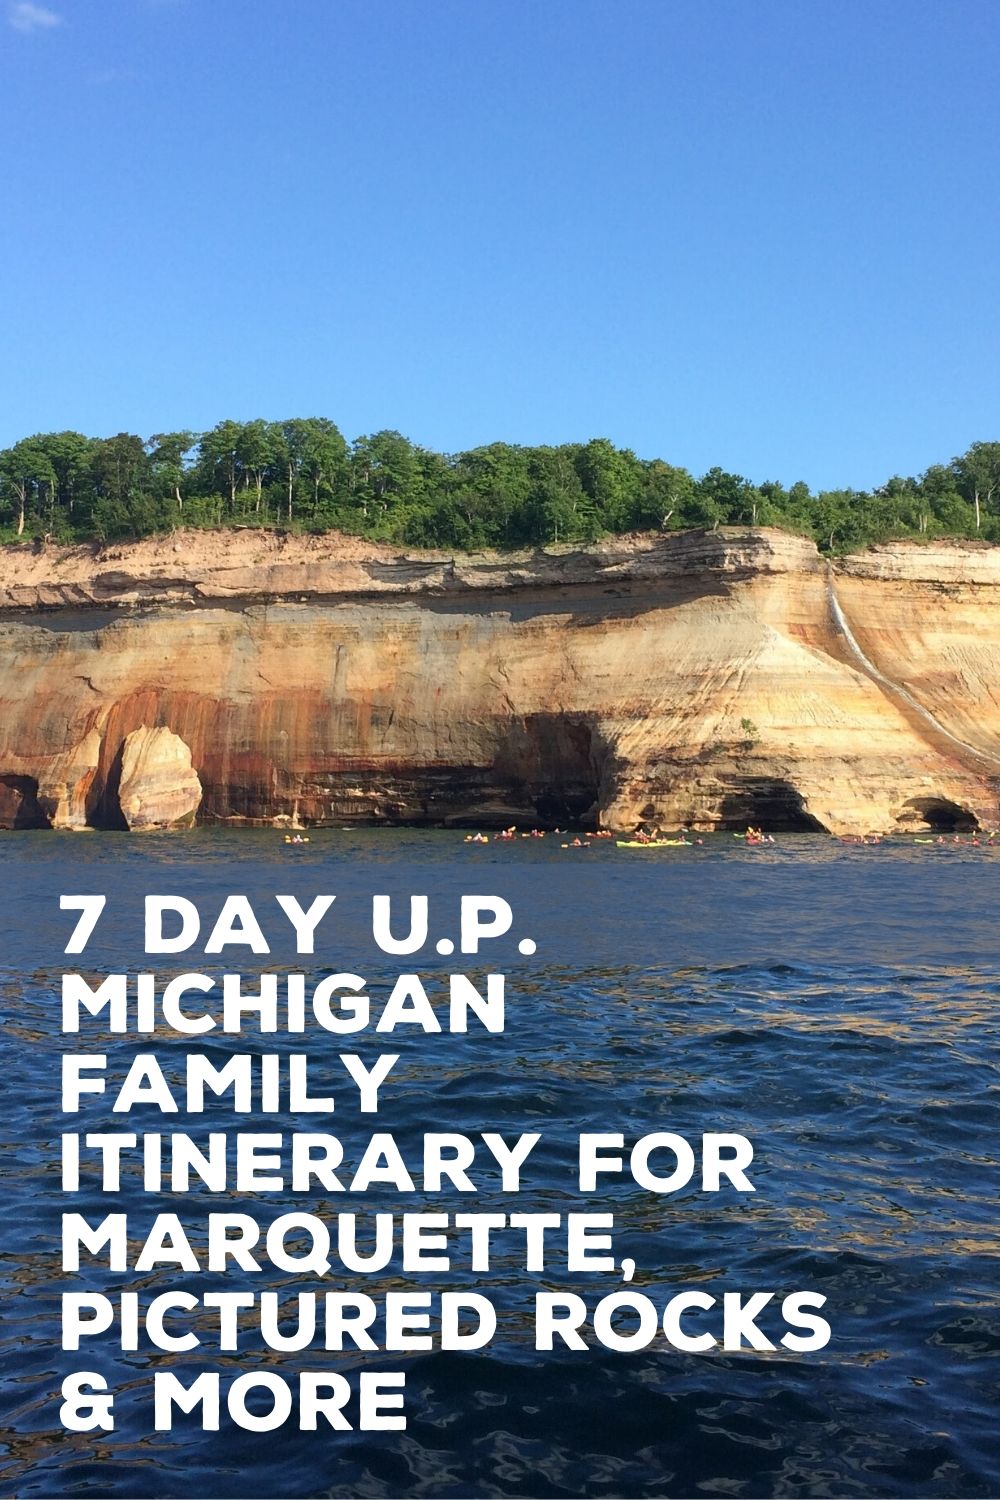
(836, 1005)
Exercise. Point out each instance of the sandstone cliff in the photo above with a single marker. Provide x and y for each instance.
(705, 679)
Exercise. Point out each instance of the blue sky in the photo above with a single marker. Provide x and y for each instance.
(763, 234)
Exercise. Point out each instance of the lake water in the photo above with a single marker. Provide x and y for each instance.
(836, 1005)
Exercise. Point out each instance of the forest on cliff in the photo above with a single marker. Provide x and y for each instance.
(303, 475)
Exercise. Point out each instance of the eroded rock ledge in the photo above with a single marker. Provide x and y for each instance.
(698, 678)
(199, 567)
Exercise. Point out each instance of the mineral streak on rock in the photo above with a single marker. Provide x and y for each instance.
(698, 678)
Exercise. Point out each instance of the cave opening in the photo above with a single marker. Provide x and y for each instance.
(558, 806)
(19, 803)
(936, 815)
(548, 770)
(774, 805)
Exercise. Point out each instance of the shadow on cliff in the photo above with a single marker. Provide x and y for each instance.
(106, 811)
(583, 604)
(579, 583)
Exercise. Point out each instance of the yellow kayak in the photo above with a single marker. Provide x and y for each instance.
(653, 843)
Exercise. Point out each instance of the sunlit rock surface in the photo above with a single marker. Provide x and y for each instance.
(157, 785)
(699, 679)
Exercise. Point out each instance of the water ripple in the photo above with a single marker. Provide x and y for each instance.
(838, 1007)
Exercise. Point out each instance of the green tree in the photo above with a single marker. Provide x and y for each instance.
(384, 471)
(558, 508)
(120, 467)
(839, 519)
(294, 437)
(168, 452)
(729, 498)
(218, 458)
(665, 496)
(947, 511)
(489, 490)
(323, 457)
(70, 454)
(977, 474)
(259, 453)
(795, 508)
(28, 477)
(611, 478)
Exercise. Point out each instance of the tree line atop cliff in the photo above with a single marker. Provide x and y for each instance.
(303, 475)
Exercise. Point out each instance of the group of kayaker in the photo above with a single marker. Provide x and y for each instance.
(643, 834)
(988, 841)
(654, 836)
(508, 835)
(757, 836)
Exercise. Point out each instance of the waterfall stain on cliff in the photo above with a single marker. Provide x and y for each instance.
(898, 691)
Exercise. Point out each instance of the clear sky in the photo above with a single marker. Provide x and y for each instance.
(763, 234)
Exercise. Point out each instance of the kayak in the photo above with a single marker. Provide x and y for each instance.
(653, 843)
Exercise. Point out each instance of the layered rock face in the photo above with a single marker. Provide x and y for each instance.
(707, 680)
